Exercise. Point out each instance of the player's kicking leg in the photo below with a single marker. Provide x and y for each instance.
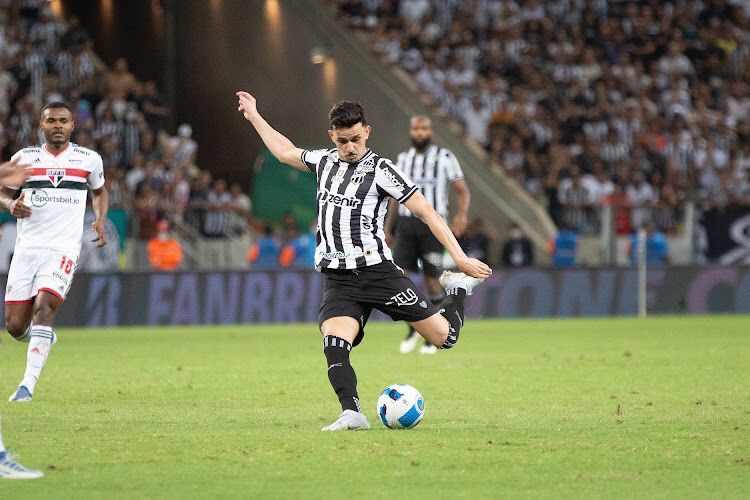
(10, 469)
(434, 329)
(41, 338)
(339, 334)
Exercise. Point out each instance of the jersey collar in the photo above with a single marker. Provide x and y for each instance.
(44, 147)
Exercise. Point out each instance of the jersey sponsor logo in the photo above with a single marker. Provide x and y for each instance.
(55, 175)
(357, 252)
(39, 198)
(396, 183)
(325, 196)
(406, 298)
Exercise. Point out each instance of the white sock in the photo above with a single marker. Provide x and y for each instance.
(36, 355)
(26, 336)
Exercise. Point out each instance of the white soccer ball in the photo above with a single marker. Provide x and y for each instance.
(400, 407)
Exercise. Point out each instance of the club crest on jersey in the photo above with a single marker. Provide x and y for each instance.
(362, 170)
(55, 175)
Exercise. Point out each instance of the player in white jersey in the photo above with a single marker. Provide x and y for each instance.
(14, 172)
(50, 210)
(354, 185)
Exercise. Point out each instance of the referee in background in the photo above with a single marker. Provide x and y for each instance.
(432, 169)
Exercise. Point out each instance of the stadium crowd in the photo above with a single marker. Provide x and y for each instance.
(642, 105)
(151, 176)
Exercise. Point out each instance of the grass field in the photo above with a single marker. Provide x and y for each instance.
(563, 408)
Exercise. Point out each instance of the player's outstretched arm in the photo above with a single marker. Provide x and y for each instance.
(281, 147)
(420, 207)
(100, 204)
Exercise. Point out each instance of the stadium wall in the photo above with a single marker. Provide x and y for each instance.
(234, 297)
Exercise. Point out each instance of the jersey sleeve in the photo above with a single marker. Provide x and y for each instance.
(392, 180)
(96, 177)
(452, 168)
(312, 158)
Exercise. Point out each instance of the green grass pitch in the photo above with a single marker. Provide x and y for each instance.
(559, 408)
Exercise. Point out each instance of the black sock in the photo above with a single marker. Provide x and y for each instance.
(340, 371)
(453, 310)
(410, 333)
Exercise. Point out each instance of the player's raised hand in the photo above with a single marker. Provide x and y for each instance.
(14, 172)
(18, 209)
(247, 105)
(101, 238)
(474, 267)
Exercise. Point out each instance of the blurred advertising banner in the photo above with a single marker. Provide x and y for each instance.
(238, 297)
(728, 235)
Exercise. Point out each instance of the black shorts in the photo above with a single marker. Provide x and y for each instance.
(415, 242)
(355, 293)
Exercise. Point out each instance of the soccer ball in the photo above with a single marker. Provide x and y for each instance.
(400, 407)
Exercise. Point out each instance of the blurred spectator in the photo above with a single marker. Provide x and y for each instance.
(264, 254)
(657, 247)
(517, 250)
(164, 251)
(299, 252)
(475, 241)
(153, 107)
(240, 207)
(120, 84)
(148, 210)
(183, 149)
(563, 248)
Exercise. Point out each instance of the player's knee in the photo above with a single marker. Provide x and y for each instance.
(16, 327)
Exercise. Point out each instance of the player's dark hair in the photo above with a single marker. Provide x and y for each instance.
(56, 105)
(345, 114)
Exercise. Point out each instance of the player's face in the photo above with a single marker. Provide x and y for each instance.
(350, 142)
(57, 125)
(420, 132)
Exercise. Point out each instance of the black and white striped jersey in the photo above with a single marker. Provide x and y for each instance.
(352, 202)
(432, 171)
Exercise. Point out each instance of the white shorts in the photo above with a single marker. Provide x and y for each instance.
(36, 270)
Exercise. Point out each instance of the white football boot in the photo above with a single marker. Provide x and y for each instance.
(451, 281)
(10, 469)
(350, 420)
(408, 345)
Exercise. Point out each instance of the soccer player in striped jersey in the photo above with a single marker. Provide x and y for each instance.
(354, 186)
(433, 169)
(50, 209)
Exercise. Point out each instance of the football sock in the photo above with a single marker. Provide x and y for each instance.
(26, 336)
(2, 446)
(453, 311)
(436, 299)
(410, 333)
(340, 372)
(36, 355)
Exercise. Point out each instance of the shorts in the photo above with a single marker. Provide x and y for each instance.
(355, 293)
(415, 242)
(35, 270)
